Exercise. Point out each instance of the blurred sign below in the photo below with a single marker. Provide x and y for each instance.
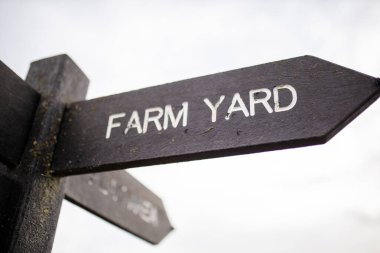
(291, 103)
(121, 200)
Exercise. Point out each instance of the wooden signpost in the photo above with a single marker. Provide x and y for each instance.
(30, 197)
(47, 132)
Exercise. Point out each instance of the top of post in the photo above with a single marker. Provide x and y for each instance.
(58, 77)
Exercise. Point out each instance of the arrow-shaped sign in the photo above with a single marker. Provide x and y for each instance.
(21, 102)
(291, 103)
(121, 200)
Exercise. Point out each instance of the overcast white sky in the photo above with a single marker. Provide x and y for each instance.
(315, 199)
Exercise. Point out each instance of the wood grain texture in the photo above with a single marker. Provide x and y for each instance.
(18, 103)
(121, 200)
(329, 97)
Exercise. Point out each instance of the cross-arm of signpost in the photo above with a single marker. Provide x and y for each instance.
(18, 104)
(286, 104)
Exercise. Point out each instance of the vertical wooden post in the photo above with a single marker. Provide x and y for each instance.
(35, 196)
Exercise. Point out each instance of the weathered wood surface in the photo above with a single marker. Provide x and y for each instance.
(18, 103)
(9, 189)
(291, 103)
(32, 196)
(121, 200)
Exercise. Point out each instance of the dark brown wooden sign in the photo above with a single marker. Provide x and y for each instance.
(291, 103)
(121, 200)
(18, 103)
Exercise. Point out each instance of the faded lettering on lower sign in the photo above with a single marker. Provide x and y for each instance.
(119, 193)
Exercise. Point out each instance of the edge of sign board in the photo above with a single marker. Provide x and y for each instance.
(355, 114)
(198, 156)
(192, 78)
(219, 72)
(20, 101)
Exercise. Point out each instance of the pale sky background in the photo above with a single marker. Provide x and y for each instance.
(315, 199)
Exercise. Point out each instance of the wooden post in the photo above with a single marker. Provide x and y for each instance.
(30, 197)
